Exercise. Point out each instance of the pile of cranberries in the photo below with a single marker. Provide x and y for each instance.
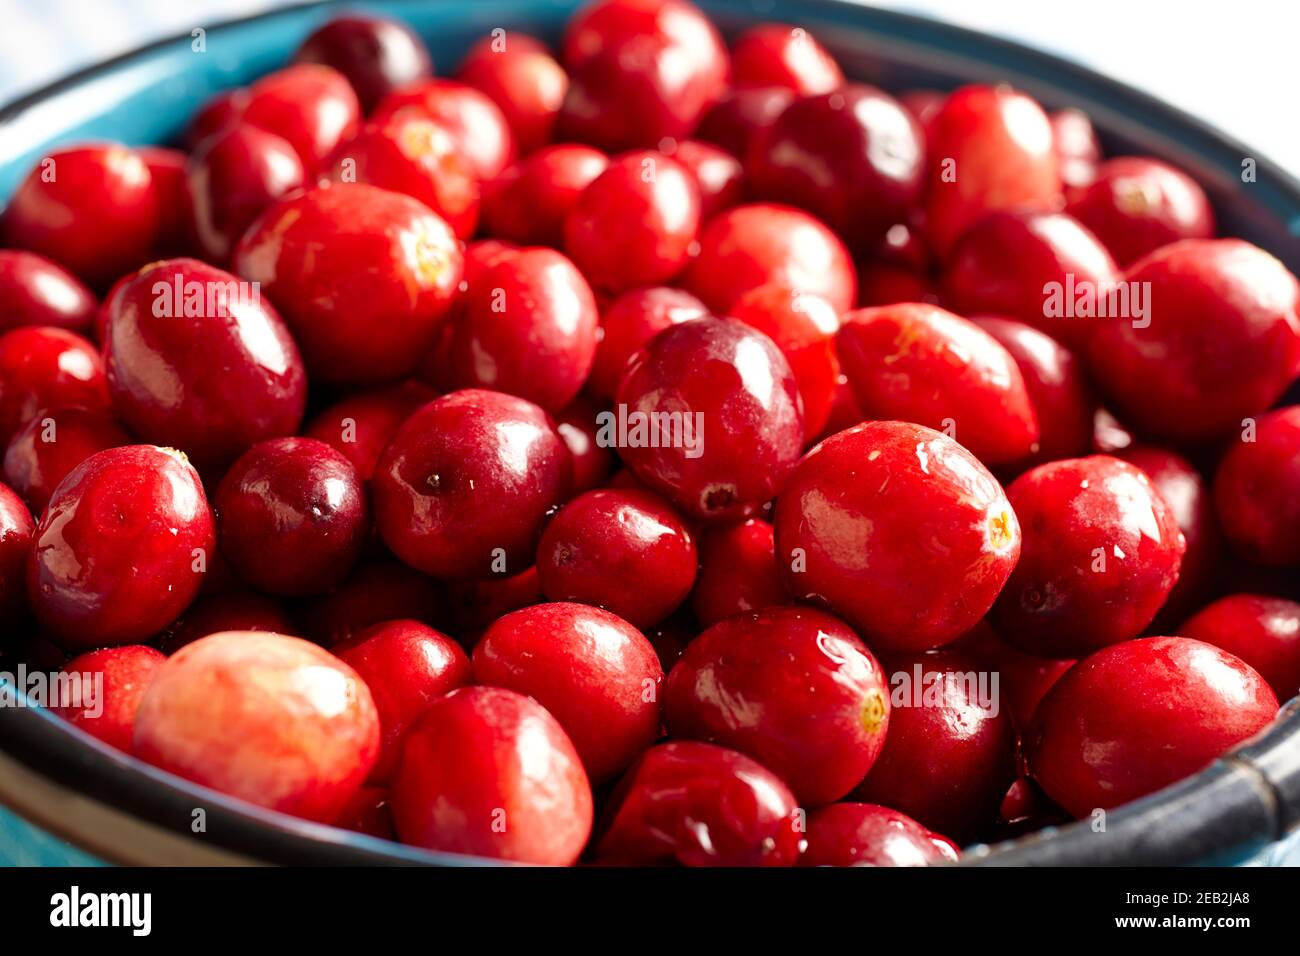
(641, 451)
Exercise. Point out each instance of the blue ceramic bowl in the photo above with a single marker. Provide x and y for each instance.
(72, 800)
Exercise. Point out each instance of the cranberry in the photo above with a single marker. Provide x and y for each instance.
(524, 80)
(376, 54)
(1263, 631)
(990, 148)
(735, 121)
(1136, 204)
(407, 665)
(700, 805)
(311, 106)
(921, 364)
(363, 277)
(374, 593)
(739, 412)
(759, 681)
(883, 283)
(1041, 268)
(719, 175)
(175, 222)
(871, 512)
(1220, 340)
(35, 290)
(361, 425)
(368, 812)
(1101, 553)
(473, 605)
(438, 486)
(107, 690)
(760, 243)
(1109, 434)
(198, 362)
(121, 549)
(864, 834)
(226, 611)
(44, 367)
(489, 772)
(270, 719)
(16, 532)
(1256, 490)
(625, 551)
(476, 125)
(774, 54)
(853, 157)
(1137, 716)
(592, 461)
(738, 572)
(924, 105)
(845, 411)
(92, 209)
(223, 110)
(632, 320)
(49, 446)
(530, 200)
(526, 325)
(1023, 679)
(1078, 151)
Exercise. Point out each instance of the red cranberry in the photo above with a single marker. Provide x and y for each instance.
(309, 105)
(924, 105)
(121, 549)
(92, 209)
(523, 79)
(990, 148)
(719, 175)
(883, 283)
(632, 320)
(739, 419)
(438, 486)
(1136, 204)
(1023, 679)
(592, 461)
(293, 516)
(700, 805)
(853, 157)
(759, 682)
(774, 54)
(1257, 490)
(871, 511)
(595, 672)
(53, 443)
(1101, 553)
(1263, 631)
(473, 605)
(918, 363)
(43, 367)
(376, 54)
(526, 326)
(845, 412)
(489, 772)
(407, 665)
(1078, 151)
(35, 290)
(223, 110)
(477, 127)
(761, 243)
(16, 532)
(1109, 434)
(864, 834)
(197, 361)
(368, 813)
(363, 276)
(226, 611)
(270, 719)
(1138, 716)
(530, 200)
(175, 221)
(738, 572)
(625, 551)
(1220, 340)
(735, 121)
(109, 686)
(383, 591)
(361, 425)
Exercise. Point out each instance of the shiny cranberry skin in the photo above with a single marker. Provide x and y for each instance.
(198, 363)
(625, 551)
(311, 106)
(760, 243)
(734, 388)
(853, 157)
(775, 54)
(111, 683)
(592, 461)
(374, 593)
(524, 80)
(632, 320)
(1101, 553)
(695, 804)
(595, 672)
(439, 486)
(919, 363)
(758, 682)
(361, 425)
(53, 443)
(738, 572)
(1135, 205)
(35, 290)
(226, 611)
(363, 276)
(1138, 716)
(634, 225)
(270, 719)
(529, 202)
(43, 367)
(526, 326)
(949, 756)
(1263, 631)
(735, 121)
(138, 501)
(489, 772)
(376, 54)
(865, 834)
(223, 110)
(175, 221)
(990, 148)
(1220, 340)
(92, 209)
(16, 531)
(873, 510)
(407, 665)
(1078, 151)
(1256, 490)
(476, 125)
(292, 516)
(719, 175)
